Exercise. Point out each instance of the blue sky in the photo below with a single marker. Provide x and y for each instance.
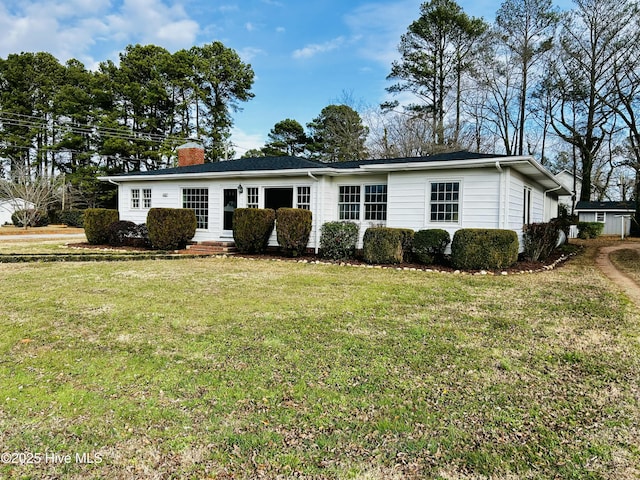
(305, 54)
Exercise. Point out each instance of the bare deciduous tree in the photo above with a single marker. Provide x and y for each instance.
(29, 195)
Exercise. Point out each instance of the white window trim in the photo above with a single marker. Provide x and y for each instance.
(258, 194)
(427, 213)
(191, 187)
(132, 198)
(604, 217)
(261, 193)
(530, 190)
(297, 195)
(361, 211)
(143, 199)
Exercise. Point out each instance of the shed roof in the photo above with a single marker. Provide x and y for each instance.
(609, 206)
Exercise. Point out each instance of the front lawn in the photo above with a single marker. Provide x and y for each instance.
(235, 368)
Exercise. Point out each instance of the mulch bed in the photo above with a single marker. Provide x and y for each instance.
(556, 259)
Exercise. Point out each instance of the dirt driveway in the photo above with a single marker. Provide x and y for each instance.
(631, 288)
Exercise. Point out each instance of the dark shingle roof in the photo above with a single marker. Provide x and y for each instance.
(256, 164)
(440, 157)
(240, 165)
(583, 205)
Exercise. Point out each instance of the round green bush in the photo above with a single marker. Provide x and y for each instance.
(383, 245)
(338, 240)
(96, 224)
(252, 228)
(293, 227)
(429, 245)
(171, 228)
(477, 248)
(588, 230)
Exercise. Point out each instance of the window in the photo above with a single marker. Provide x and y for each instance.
(198, 200)
(349, 202)
(445, 202)
(278, 198)
(252, 197)
(304, 198)
(135, 198)
(146, 198)
(375, 202)
(526, 211)
(600, 216)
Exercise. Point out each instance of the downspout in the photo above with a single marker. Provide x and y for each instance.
(501, 198)
(316, 218)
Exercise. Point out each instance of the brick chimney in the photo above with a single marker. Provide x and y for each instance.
(191, 153)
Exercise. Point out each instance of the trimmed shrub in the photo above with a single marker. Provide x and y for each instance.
(338, 240)
(477, 248)
(539, 240)
(252, 228)
(429, 245)
(34, 218)
(407, 243)
(96, 224)
(71, 218)
(171, 228)
(127, 234)
(590, 229)
(293, 226)
(383, 245)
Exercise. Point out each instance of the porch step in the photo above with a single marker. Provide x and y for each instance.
(212, 248)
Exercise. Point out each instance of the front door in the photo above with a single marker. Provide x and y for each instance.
(230, 202)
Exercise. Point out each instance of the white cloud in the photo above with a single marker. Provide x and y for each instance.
(250, 27)
(74, 28)
(314, 49)
(380, 26)
(249, 53)
(243, 141)
(281, 29)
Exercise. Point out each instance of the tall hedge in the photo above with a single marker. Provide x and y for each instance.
(170, 228)
(71, 218)
(338, 240)
(429, 245)
(293, 227)
(252, 228)
(477, 248)
(539, 240)
(96, 224)
(383, 245)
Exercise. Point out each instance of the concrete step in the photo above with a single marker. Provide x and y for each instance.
(212, 248)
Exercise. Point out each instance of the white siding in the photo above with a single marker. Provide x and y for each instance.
(331, 198)
(168, 194)
(410, 196)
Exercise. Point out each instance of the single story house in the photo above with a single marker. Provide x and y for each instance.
(9, 206)
(448, 191)
(612, 214)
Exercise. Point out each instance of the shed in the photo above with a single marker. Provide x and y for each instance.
(611, 214)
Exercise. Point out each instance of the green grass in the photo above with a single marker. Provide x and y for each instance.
(233, 368)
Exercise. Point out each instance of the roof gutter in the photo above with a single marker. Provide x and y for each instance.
(544, 198)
